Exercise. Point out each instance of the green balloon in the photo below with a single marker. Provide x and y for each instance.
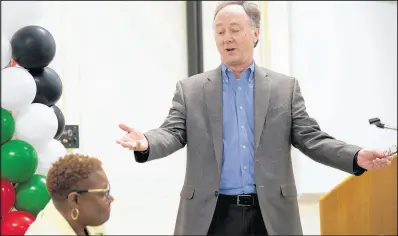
(32, 196)
(18, 161)
(7, 126)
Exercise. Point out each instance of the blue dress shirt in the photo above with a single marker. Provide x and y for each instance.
(237, 173)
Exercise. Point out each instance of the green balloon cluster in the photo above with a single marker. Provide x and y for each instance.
(7, 126)
(32, 196)
(18, 161)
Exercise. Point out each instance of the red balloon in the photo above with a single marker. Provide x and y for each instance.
(16, 223)
(7, 197)
(13, 63)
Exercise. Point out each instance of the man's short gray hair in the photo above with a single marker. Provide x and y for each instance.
(250, 8)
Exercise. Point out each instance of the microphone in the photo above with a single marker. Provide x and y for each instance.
(376, 121)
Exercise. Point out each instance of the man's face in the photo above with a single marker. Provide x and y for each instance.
(234, 35)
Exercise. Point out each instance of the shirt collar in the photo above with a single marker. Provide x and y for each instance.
(225, 69)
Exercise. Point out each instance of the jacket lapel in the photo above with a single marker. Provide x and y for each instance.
(262, 89)
(213, 96)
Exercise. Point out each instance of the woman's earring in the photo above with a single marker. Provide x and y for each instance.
(74, 214)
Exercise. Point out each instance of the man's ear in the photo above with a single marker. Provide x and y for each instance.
(256, 34)
(73, 200)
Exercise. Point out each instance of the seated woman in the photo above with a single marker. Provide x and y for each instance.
(80, 200)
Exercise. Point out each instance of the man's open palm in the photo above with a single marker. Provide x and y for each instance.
(374, 160)
(133, 140)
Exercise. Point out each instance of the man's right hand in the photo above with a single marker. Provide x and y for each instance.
(133, 140)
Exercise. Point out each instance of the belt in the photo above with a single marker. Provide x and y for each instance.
(244, 200)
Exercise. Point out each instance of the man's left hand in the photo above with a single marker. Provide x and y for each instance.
(373, 159)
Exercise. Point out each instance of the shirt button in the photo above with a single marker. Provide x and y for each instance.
(244, 146)
(242, 127)
(239, 88)
(216, 193)
(244, 167)
(241, 107)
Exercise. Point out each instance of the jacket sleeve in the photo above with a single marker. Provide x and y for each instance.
(171, 135)
(316, 144)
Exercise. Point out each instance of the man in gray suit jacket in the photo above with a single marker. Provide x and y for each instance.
(239, 122)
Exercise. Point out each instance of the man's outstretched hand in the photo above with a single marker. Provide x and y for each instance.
(133, 140)
(373, 159)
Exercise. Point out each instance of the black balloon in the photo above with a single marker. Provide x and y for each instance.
(61, 121)
(33, 47)
(48, 84)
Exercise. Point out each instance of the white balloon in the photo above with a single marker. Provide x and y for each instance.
(37, 124)
(18, 88)
(48, 154)
(5, 52)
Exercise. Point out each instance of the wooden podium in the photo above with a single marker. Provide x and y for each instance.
(364, 205)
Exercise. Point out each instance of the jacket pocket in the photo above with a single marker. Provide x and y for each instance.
(289, 190)
(187, 192)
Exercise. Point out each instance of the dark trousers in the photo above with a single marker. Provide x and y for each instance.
(231, 218)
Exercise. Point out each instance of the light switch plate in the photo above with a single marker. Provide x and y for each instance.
(70, 136)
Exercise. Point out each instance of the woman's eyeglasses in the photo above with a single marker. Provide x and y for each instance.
(105, 192)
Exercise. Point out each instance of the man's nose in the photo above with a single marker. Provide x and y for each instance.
(227, 38)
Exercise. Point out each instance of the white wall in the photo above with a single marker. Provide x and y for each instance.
(277, 27)
(345, 56)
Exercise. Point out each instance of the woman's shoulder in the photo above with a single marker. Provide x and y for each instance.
(49, 222)
(43, 227)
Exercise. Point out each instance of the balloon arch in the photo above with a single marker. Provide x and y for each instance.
(31, 125)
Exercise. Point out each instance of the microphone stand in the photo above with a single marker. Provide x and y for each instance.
(376, 121)
(389, 127)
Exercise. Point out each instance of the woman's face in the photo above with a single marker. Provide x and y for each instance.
(94, 199)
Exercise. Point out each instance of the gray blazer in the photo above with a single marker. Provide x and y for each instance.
(280, 120)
